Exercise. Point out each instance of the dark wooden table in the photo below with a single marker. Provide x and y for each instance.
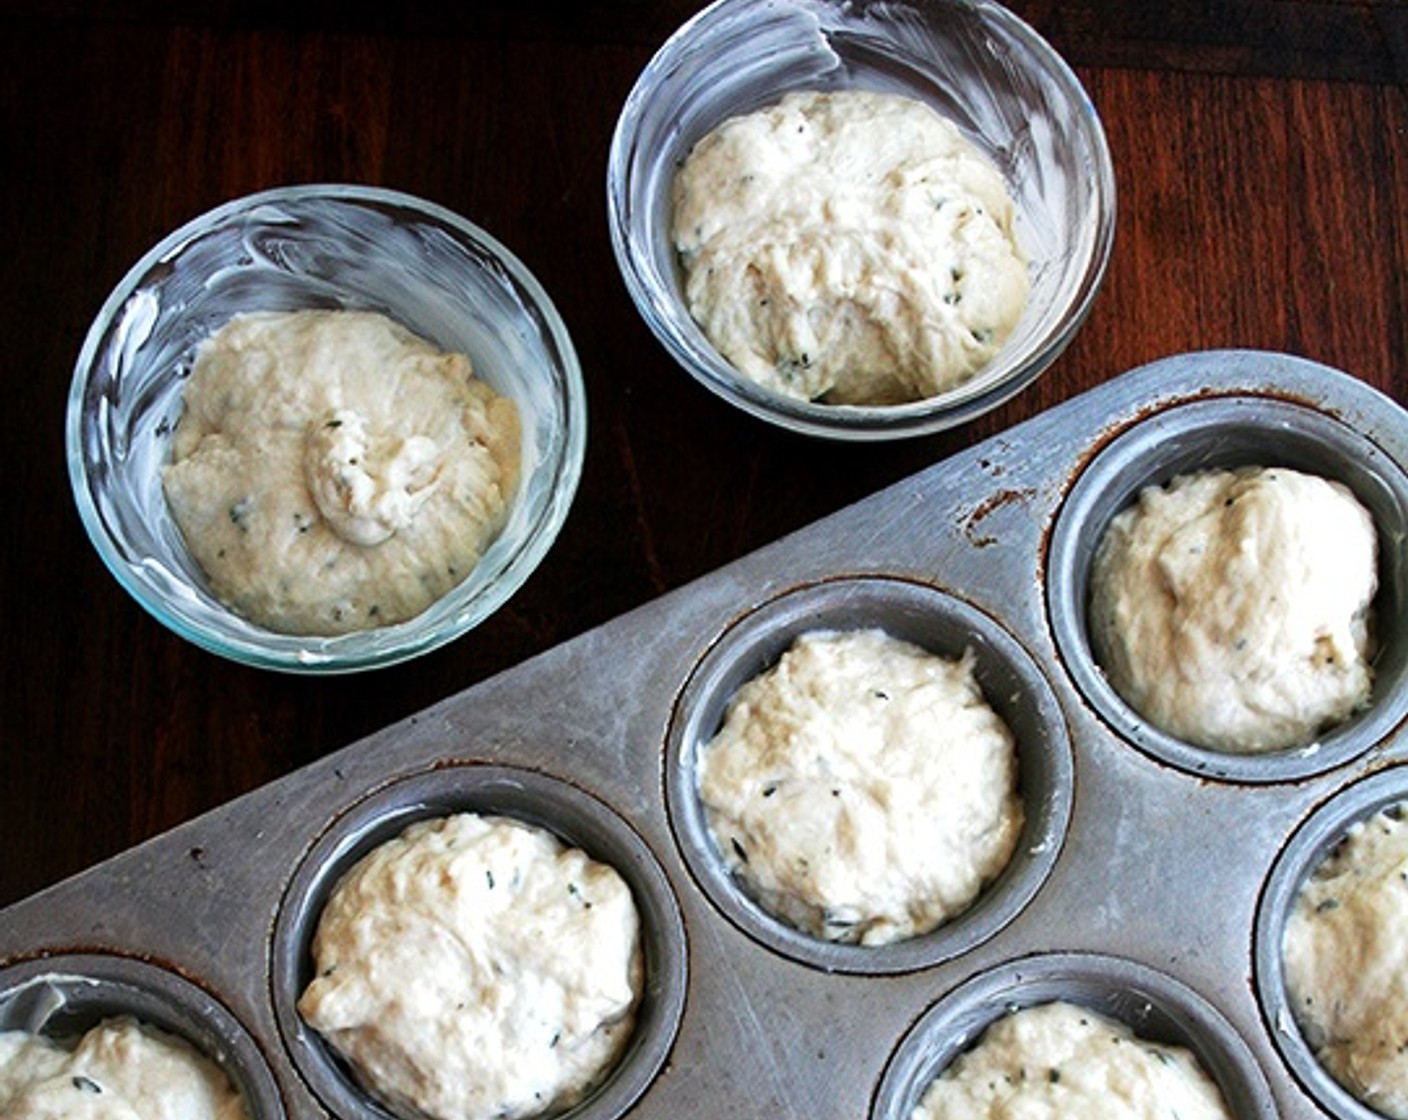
(1261, 150)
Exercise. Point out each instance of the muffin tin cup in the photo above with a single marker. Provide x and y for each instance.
(944, 625)
(576, 818)
(1311, 844)
(976, 63)
(1153, 1005)
(62, 996)
(1230, 432)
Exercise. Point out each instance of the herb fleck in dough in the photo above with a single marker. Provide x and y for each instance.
(1230, 608)
(849, 247)
(1345, 953)
(332, 472)
(474, 967)
(1059, 1059)
(862, 788)
(119, 1070)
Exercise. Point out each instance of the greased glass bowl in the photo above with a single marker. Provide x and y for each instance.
(975, 63)
(315, 246)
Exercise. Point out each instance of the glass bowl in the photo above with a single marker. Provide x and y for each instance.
(975, 63)
(316, 246)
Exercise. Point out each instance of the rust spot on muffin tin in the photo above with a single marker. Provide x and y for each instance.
(986, 508)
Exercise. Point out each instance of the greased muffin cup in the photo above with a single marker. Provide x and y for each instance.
(1154, 1006)
(67, 994)
(1145, 868)
(1311, 844)
(1230, 432)
(940, 624)
(575, 818)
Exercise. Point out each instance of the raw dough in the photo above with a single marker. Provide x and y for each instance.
(119, 1070)
(1058, 1059)
(474, 967)
(1346, 961)
(332, 472)
(849, 247)
(862, 789)
(1230, 608)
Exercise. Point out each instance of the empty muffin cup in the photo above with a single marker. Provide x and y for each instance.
(64, 995)
(1317, 839)
(576, 818)
(939, 624)
(1153, 1005)
(1229, 433)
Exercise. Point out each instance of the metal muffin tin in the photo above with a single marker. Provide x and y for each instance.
(1152, 879)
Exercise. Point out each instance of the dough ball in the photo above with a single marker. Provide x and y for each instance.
(1231, 608)
(332, 472)
(862, 789)
(1345, 953)
(119, 1070)
(848, 247)
(1059, 1059)
(474, 967)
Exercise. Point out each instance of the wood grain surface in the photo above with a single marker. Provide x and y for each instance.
(1261, 152)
